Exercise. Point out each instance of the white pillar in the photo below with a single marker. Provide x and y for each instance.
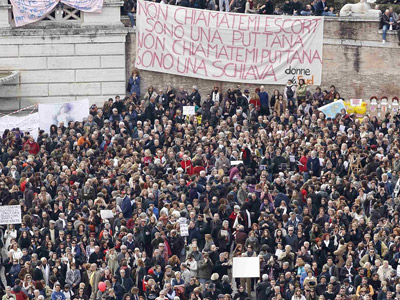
(4, 14)
(110, 15)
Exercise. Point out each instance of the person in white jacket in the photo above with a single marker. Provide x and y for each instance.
(385, 271)
(191, 264)
(9, 235)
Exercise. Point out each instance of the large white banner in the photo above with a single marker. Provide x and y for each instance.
(55, 113)
(10, 214)
(228, 46)
(24, 123)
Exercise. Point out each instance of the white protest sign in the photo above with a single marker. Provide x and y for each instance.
(24, 123)
(236, 162)
(247, 48)
(106, 214)
(10, 214)
(246, 267)
(355, 102)
(184, 230)
(188, 111)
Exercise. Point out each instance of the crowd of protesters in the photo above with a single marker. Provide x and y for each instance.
(252, 173)
(289, 7)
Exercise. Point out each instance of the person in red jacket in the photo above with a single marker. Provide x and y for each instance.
(303, 165)
(198, 168)
(255, 100)
(186, 165)
(17, 291)
(31, 146)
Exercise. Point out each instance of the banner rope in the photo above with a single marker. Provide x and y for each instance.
(34, 106)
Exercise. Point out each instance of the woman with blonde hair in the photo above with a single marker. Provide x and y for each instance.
(209, 242)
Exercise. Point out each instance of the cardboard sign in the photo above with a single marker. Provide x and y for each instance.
(184, 230)
(188, 111)
(10, 214)
(246, 267)
(355, 102)
(106, 214)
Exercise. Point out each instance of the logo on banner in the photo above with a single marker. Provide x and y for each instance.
(300, 73)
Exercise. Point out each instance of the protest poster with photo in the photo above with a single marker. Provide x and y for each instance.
(55, 113)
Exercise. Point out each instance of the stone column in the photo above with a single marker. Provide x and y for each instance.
(110, 15)
(4, 14)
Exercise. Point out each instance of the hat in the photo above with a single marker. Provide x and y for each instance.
(52, 222)
(215, 276)
(221, 296)
(161, 245)
(211, 286)
(246, 90)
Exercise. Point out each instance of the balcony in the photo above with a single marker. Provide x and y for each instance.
(65, 16)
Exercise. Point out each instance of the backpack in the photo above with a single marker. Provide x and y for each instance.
(289, 92)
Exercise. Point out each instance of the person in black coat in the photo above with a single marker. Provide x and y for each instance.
(176, 243)
(150, 112)
(212, 292)
(263, 288)
(221, 266)
(313, 165)
(5, 195)
(321, 7)
(194, 97)
(241, 294)
(278, 163)
(267, 8)
(118, 289)
(37, 272)
(297, 7)
(125, 281)
(96, 257)
(288, 8)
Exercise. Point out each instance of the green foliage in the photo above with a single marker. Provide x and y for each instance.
(383, 7)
